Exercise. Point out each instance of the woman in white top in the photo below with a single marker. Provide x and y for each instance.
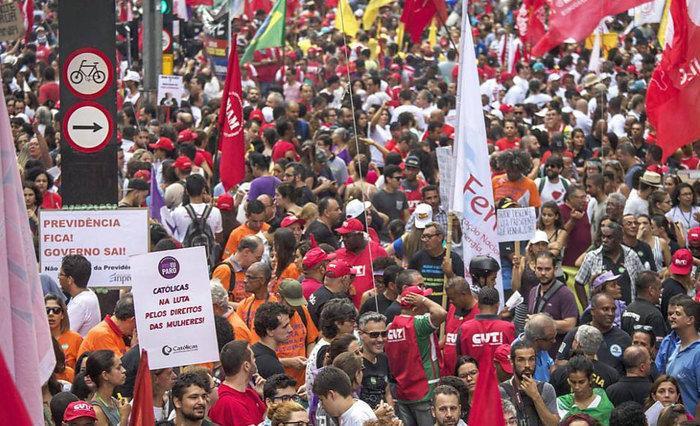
(378, 131)
(684, 210)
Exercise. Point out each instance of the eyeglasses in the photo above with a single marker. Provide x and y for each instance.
(642, 327)
(428, 236)
(471, 374)
(299, 423)
(286, 398)
(252, 278)
(396, 177)
(54, 310)
(375, 334)
(512, 421)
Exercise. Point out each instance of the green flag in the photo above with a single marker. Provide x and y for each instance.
(270, 34)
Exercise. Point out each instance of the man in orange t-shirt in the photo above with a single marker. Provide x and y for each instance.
(110, 333)
(220, 303)
(514, 184)
(292, 354)
(256, 280)
(255, 223)
(249, 250)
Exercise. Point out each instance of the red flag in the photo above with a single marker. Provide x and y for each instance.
(252, 6)
(417, 14)
(28, 11)
(672, 103)
(486, 406)
(193, 3)
(231, 142)
(142, 405)
(578, 19)
(12, 409)
(530, 21)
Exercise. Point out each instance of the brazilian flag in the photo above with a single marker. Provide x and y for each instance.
(270, 34)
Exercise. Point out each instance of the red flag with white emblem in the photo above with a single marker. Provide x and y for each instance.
(231, 142)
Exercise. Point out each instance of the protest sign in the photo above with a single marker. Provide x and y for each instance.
(11, 22)
(170, 90)
(516, 224)
(106, 238)
(174, 313)
(446, 169)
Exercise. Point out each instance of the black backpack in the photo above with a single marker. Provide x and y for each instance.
(199, 233)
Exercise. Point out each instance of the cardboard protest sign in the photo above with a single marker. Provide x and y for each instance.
(106, 238)
(516, 224)
(174, 313)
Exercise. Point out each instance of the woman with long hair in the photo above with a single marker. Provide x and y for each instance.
(59, 325)
(684, 211)
(670, 183)
(283, 251)
(550, 222)
(665, 390)
(162, 381)
(379, 133)
(618, 184)
(659, 247)
(659, 203)
(467, 370)
(584, 398)
(106, 371)
(286, 197)
(44, 181)
(669, 232)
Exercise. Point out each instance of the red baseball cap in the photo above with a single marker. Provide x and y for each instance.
(186, 135)
(502, 356)
(694, 236)
(183, 163)
(143, 175)
(224, 202)
(163, 143)
(291, 220)
(77, 410)
(413, 289)
(315, 256)
(338, 268)
(350, 225)
(256, 114)
(682, 262)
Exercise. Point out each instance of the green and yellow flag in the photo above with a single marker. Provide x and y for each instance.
(271, 32)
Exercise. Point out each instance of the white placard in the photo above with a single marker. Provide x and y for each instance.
(105, 237)
(447, 181)
(174, 313)
(516, 224)
(170, 90)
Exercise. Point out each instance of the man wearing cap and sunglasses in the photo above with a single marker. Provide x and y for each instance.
(336, 285)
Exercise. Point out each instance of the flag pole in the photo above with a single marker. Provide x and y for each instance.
(448, 255)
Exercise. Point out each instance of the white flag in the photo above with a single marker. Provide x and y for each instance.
(472, 192)
(648, 13)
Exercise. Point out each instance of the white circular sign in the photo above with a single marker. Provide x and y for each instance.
(167, 40)
(88, 127)
(88, 73)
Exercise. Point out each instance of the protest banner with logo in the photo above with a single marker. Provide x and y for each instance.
(516, 224)
(105, 237)
(11, 22)
(170, 90)
(216, 42)
(174, 313)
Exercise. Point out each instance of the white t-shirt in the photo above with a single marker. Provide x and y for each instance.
(552, 191)
(182, 220)
(357, 414)
(417, 114)
(84, 312)
(636, 205)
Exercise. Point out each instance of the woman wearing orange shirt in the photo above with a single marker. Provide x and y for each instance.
(60, 328)
(284, 250)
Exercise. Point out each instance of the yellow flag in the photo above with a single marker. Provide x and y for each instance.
(399, 35)
(663, 26)
(432, 34)
(609, 41)
(345, 19)
(371, 12)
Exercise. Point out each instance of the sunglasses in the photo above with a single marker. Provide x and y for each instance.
(54, 310)
(376, 334)
(641, 327)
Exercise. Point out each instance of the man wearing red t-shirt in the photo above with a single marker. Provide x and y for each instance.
(510, 139)
(358, 252)
(411, 184)
(463, 307)
(238, 404)
(481, 336)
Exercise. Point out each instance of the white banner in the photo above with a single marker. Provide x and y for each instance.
(174, 313)
(472, 192)
(170, 90)
(106, 238)
(648, 13)
(516, 224)
(447, 178)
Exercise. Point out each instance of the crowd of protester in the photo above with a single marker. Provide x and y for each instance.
(335, 299)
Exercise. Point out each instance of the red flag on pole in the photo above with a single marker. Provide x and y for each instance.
(578, 19)
(142, 405)
(417, 14)
(12, 409)
(231, 142)
(672, 98)
(530, 21)
(486, 406)
(28, 11)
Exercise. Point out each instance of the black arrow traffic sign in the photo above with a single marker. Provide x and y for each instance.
(94, 127)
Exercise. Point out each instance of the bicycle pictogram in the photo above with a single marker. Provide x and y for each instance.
(93, 74)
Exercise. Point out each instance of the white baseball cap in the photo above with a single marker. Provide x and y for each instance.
(423, 214)
(355, 208)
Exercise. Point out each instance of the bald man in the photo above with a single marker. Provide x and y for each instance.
(636, 384)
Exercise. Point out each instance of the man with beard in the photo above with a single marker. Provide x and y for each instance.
(446, 407)
(610, 256)
(553, 298)
(463, 307)
(359, 252)
(375, 372)
(615, 341)
(329, 213)
(536, 402)
(239, 403)
(189, 393)
(553, 187)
